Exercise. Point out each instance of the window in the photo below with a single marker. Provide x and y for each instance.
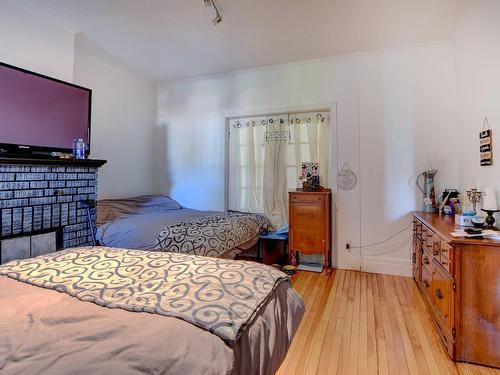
(265, 159)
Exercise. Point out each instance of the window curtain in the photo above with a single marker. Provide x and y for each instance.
(265, 160)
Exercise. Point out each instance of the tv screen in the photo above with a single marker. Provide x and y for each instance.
(43, 113)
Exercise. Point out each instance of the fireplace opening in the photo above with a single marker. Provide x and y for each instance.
(30, 246)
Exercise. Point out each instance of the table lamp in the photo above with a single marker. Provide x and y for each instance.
(490, 206)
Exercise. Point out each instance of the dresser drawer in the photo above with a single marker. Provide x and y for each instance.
(427, 261)
(447, 257)
(442, 294)
(446, 339)
(417, 229)
(427, 283)
(436, 247)
(429, 239)
(443, 254)
(417, 259)
(423, 232)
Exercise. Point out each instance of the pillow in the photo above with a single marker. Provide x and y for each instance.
(112, 209)
(159, 203)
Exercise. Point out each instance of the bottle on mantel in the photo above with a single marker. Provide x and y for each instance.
(79, 149)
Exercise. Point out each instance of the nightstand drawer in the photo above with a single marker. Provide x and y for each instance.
(307, 198)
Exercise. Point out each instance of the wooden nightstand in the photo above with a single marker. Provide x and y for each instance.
(310, 222)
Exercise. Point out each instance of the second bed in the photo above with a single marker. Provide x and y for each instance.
(156, 222)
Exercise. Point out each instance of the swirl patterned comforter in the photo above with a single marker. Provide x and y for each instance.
(211, 235)
(220, 296)
(158, 302)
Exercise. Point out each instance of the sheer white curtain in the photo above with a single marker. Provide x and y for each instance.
(246, 168)
(265, 160)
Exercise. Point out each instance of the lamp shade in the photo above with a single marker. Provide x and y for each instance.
(490, 200)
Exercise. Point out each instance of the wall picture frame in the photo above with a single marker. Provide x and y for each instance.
(486, 145)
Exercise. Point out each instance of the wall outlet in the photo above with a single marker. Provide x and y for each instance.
(348, 245)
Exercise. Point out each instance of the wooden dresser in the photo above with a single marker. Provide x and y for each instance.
(459, 279)
(310, 222)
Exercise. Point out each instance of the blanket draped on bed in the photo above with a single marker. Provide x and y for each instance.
(211, 235)
(220, 296)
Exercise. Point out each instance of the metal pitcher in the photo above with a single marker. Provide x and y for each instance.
(429, 202)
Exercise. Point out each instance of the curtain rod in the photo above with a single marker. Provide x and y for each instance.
(272, 114)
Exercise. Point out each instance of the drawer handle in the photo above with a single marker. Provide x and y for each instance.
(426, 260)
(436, 252)
(426, 283)
(439, 294)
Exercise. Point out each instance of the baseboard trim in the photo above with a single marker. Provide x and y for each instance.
(387, 266)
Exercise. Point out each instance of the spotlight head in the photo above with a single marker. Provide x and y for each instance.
(217, 19)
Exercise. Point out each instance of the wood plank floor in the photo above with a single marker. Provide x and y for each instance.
(361, 323)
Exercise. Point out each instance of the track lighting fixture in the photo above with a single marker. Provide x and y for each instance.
(218, 17)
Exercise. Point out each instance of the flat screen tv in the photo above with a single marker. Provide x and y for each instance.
(40, 114)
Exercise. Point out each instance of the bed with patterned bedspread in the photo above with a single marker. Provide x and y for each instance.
(160, 223)
(118, 311)
(211, 235)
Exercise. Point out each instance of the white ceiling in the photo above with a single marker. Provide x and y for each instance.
(175, 39)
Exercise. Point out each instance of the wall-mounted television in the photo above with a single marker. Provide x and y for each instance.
(40, 114)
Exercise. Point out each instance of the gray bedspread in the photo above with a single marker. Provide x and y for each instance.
(140, 231)
(212, 235)
(47, 332)
(219, 295)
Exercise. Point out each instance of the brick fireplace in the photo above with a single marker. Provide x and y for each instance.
(39, 196)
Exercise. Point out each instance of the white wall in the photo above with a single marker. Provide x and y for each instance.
(123, 118)
(395, 118)
(477, 44)
(28, 42)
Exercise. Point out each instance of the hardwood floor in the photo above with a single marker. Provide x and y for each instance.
(361, 323)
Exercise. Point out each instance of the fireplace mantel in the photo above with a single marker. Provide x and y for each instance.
(54, 161)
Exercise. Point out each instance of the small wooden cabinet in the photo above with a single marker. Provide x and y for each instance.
(310, 222)
(459, 279)
(273, 248)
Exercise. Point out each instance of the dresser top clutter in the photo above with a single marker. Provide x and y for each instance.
(445, 225)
